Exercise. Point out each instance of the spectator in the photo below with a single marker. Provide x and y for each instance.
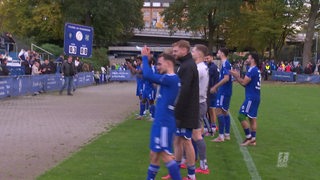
(97, 77)
(267, 71)
(68, 71)
(4, 71)
(298, 69)
(36, 68)
(104, 74)
(308, 69)
(288, 68)
(78, 64)
(46, 67)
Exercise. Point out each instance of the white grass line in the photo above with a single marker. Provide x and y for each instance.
(244, 150)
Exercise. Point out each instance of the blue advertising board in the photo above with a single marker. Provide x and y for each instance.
(78, 40)
(24, 85)
(116, 75)
(282, 76)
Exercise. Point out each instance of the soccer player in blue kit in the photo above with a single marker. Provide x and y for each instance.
(164, 124)
(224, 88)
(249, 108)
(140, 85)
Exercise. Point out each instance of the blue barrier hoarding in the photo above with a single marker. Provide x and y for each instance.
(24, 85)
(282, 76)
(302, 78)
(5, 87)
(121, 76)
(78, 40)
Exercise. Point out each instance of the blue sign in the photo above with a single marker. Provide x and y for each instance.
(78, 40)
(121, 76)
(282, 76)
(302, 78)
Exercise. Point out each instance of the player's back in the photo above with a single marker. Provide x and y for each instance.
(166, 99)
(253, 87)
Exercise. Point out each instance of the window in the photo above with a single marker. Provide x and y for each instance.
(156, 4)
(165, 4)
(146, 4)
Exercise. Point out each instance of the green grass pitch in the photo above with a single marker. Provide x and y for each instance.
(289, 121)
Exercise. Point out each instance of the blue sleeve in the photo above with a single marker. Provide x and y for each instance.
(226, 69)
(149, 75)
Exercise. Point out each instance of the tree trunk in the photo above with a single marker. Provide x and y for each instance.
(307, 47)
(211, 28)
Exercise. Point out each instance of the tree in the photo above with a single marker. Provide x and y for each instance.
(30, 18)
(313, 15)
(264, 25)
(43, 20)
(113, 20)
(200, 16)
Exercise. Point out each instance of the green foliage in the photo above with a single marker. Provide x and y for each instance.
(113, 20)
(99, 58)
(52, 48)
(206, 16)
(263, 24)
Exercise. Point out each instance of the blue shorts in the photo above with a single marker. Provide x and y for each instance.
(184, 132)
(223, 102)
(149, 93)
(161, 138)
(213, 101)
(250, 107)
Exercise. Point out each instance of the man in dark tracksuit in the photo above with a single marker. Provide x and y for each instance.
(187, 107)
(68, 71)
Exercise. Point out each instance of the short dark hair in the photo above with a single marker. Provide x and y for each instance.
(255, 56)
(168, 57)
(225, 51)
(182, 44)
(139, 58)
(202, 48)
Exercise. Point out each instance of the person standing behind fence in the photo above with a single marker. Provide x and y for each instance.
(46, 67)
(4, 71)
(68, 70)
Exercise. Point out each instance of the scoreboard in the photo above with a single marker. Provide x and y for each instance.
(78, 40)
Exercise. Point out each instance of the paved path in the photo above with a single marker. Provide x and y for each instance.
(37, 132)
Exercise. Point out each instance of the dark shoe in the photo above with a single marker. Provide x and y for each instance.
(69, 94)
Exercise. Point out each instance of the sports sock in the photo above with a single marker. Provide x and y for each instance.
(253, 135)
(221, 124)
(213, 125)
(142, 108)
(247, 133)
(227, 124)
(152, 110)
(192, 171)
(202, 152)
(195, 149)
(152, 171)
(201, 149)
(174, 170)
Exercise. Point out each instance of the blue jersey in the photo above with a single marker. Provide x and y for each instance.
(253, 87)
(225, 89)
(139, 81)
(169, 89)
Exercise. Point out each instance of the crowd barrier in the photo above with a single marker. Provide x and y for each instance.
(282, 76)
(315, 79)
(24, 85)
(126, 75)
(293, 77)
